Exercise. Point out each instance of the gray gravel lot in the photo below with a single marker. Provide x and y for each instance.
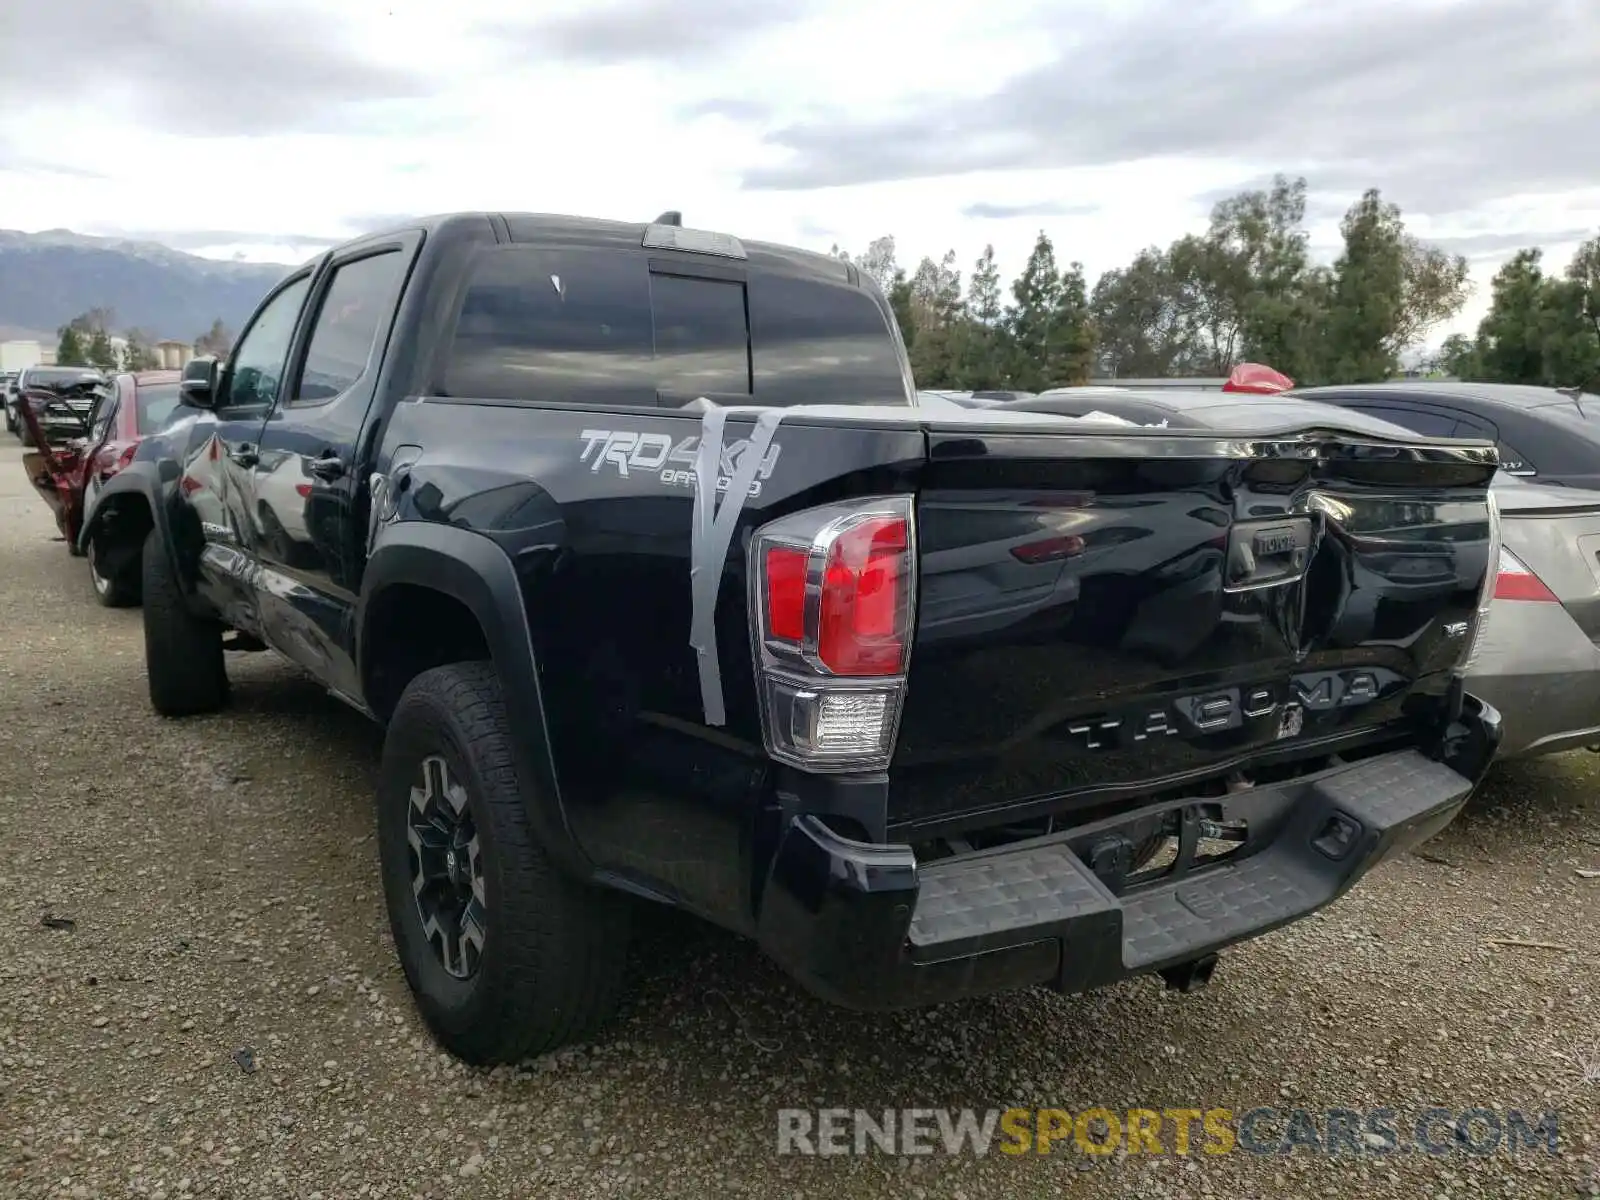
(222, 880)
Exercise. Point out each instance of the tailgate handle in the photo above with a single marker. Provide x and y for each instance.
(1267, 553)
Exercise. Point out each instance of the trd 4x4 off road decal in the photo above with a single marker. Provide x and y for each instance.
(626, 452)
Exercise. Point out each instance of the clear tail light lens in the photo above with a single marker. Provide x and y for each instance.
(833, 598)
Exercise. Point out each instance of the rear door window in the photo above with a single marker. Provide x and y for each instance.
(568, 326)
(360, 294)
(619, 328)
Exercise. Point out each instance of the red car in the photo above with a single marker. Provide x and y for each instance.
(68, 475)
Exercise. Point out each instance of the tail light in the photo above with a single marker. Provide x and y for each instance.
(833, 603)
(1514, 581)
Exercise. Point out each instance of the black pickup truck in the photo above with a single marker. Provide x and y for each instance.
(636, 540)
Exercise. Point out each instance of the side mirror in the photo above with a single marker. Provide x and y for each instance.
(198, 387)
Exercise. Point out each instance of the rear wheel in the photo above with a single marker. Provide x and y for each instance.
(182, 652)
(507, 956)
(118, 589)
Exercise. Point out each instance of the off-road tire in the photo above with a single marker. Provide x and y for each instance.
(553, 946)
(182, 652)
(120, 590)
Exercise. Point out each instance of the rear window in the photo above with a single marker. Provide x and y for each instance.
(154, 406)
(603, 327)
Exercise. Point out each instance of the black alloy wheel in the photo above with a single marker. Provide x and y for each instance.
(507, 954)
(447, 868)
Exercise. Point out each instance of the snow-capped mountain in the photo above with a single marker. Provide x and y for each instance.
(48, 278)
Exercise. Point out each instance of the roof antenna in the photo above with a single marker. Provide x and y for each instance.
(671, 217)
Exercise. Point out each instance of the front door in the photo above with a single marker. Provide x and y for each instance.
(307, 487)
(218, 473)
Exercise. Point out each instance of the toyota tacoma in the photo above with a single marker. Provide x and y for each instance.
(636, 540)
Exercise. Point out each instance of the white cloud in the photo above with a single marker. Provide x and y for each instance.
(273, 126)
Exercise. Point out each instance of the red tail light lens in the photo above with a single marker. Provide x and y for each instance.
(1515, 582)
(786, 593)
(860, 629)
(833, 604)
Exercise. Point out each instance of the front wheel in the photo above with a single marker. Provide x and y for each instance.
(182, 652)
(507, 956)
(118, 589)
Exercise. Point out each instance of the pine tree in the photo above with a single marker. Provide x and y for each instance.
(136, 354)
(217, 340)
(69, 350)
(1033, 316)
(1070, 354)
(984, 348)
(100, 352)
(937, 314)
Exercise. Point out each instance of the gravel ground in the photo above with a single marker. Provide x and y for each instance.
(221, 878)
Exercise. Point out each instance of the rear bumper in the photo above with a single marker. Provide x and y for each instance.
(868, 927)
(1538, 668)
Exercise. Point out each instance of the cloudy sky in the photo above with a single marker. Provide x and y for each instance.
(268, 129)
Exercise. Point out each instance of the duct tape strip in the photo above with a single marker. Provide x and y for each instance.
(712, 534)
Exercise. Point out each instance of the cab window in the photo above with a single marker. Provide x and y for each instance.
(256, 373)
(359, 295)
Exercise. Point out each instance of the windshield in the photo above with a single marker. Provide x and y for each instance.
(155, 405)
(55, 377)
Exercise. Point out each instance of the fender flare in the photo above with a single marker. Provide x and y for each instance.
(141, 479)
(474, 570)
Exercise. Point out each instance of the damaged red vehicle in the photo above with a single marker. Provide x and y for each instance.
(69, 474)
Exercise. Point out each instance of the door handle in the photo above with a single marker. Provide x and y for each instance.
(327, 467)
(245, 454)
